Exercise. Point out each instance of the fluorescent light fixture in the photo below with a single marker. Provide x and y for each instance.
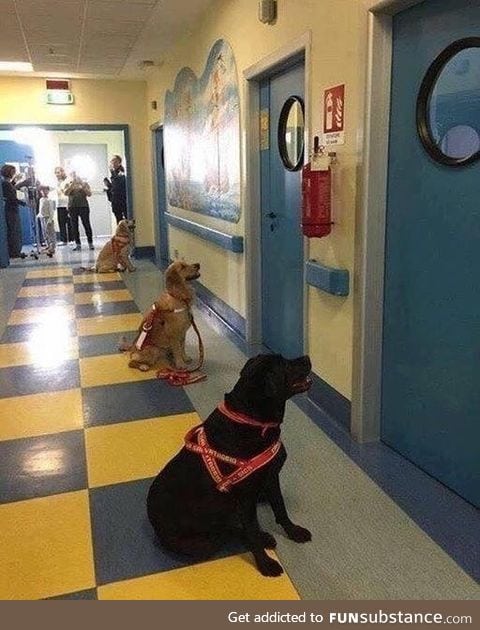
(15, 66)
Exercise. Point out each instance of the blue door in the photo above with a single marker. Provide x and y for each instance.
(161, 228)
(431, 351)
(282, 241)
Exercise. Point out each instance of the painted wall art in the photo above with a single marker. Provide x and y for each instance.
(202, 138)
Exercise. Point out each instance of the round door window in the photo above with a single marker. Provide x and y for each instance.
(291, 130)
(448, 105)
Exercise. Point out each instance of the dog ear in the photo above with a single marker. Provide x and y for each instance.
(173, 279)
(251, 366)
(275, 384)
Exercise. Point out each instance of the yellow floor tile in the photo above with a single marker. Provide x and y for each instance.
(36, 353)
(50, 273)
(109, 369)
(230, 578)
(46, 547)
(40, 414)
(96, 277)
(101, 297)
(134, 450)
(42, 314)
(46, 291)
(108, 324)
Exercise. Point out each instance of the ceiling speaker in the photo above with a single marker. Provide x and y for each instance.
(267, 11)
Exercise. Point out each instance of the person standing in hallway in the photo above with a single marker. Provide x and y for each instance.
(78, 191)
(64, 223)
(118, 188)
(12, 216)
(46, 213)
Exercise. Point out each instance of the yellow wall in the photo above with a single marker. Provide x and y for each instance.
(338, 30)
(22, 100)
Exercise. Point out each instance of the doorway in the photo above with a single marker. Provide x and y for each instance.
(282, 116)
(430, 392)
(162, 255)
(43, 143)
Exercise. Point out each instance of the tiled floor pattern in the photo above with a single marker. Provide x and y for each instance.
(81, 436)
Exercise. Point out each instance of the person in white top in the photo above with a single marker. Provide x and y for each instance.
(63, 217)
(46, 213)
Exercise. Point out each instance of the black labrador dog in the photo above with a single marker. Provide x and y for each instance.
(208, 493)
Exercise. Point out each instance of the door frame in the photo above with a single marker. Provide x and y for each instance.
(125, 129)
(371, 221)
(251, 189)
(161, 249)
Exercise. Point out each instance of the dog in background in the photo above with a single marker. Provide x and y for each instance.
(115, 255)
(168, 320)
(208, 493)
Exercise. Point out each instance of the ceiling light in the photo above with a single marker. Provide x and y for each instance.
(15, 66)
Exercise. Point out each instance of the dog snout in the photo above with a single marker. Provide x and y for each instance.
(196, 266)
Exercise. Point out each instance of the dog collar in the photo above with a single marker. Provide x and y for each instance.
(241, 418)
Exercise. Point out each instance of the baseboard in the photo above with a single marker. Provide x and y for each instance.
(222, 317)
(147, 251)
(331, 402)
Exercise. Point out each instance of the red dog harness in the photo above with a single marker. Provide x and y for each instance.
(147, 323)
(118, 243)
(196, 441)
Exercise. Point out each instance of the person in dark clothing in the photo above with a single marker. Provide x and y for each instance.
(107, 188)
(118, 188)
(12, 216)
(77, 191)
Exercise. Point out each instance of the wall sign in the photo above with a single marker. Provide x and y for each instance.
(334, 116)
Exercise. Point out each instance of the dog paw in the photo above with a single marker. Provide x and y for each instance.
(269, 567)
(143, 367)
(267, 540)
(298, 534)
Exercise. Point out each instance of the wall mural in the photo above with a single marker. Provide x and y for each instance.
(202, 138)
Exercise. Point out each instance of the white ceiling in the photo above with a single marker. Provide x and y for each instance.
(98, 38)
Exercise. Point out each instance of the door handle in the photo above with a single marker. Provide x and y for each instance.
(271, 215)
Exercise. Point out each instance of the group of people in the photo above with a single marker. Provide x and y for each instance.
(71, 206)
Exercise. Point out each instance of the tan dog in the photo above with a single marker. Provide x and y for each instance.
(115, 255)
(170, 318)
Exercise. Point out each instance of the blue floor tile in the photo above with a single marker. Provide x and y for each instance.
(87, 287)
(23, 332)
(34, 282)
(31, 379)
(42, 466)
(107, 308)
(123, 540)
(35, 302)
(98, 345)
(133, 401)
(90, 594)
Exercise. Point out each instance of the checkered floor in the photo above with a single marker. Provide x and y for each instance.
(81, 436)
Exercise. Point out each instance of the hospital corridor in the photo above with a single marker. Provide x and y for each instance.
(239, 310)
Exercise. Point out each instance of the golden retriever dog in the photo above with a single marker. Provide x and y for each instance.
(170, 318)
(115, 255)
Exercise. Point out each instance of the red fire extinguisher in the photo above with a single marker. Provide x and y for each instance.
(317, 194)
